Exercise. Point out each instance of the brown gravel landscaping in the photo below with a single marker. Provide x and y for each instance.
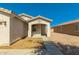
(68, 44)
(25, 43)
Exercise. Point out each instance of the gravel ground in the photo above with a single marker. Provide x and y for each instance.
(67, 44)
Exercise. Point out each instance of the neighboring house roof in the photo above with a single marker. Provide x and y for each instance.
(68, 23)
(40, 17)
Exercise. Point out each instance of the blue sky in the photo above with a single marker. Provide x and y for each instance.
(58, 12)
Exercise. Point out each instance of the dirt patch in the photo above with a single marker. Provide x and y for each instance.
(25, 43)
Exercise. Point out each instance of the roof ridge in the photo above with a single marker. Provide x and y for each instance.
(23, 14)
(42, 17)
(5, 10)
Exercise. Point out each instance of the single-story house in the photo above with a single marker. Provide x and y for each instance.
(13, 26)
(71, 28)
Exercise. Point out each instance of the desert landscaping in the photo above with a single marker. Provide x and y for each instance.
(67, 44)
(24, 46)
(31, 46)
(25, 43)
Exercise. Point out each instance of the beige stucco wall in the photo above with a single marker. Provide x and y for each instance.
(18, 29)
(4, 30)
(13, 30)
(39, 21)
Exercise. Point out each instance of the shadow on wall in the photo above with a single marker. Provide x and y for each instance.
(67, 49)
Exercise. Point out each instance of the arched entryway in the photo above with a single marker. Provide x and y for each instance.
(39, 30)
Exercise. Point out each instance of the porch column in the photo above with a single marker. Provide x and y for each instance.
(48, 30)
(39, 29)
(29, 30)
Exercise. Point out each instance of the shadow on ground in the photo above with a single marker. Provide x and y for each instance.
(50, 49)
(67, 49)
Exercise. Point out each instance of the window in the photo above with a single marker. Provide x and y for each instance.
(2, 23)
(34, 28)
(77, 27)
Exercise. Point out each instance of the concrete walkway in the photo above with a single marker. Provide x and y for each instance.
(51, 49)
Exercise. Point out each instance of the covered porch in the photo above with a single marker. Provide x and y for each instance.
(39, 26)
(39, 30)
